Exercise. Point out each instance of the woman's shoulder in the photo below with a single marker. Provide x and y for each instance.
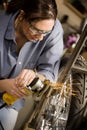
(58, 26)
(4, 19)
(2, 12)
(57, 30)
(3, 16)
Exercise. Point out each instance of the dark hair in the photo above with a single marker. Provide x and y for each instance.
(34, 9)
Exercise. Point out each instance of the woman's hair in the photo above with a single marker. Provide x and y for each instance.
(34, 9)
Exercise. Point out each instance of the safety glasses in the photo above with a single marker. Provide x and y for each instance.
(37, 31)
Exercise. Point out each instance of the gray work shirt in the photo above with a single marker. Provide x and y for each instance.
(43, 55)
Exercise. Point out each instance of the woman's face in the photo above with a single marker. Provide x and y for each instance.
(35, 31)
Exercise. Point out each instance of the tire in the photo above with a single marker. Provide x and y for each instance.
(78, 113)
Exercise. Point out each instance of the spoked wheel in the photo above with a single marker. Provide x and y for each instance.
(77, 119)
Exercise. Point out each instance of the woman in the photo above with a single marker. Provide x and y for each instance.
(31, 38)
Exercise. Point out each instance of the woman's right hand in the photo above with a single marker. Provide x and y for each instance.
(10, 86)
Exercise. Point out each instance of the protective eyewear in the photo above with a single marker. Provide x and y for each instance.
(37, 31)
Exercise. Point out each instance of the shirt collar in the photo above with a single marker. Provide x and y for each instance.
(9, 35)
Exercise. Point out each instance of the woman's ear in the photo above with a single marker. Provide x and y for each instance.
(21, 15)
(22, 12)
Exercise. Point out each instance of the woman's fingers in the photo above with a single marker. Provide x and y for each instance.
(25, 78)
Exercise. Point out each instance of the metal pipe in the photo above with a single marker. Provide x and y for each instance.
(73, 56)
